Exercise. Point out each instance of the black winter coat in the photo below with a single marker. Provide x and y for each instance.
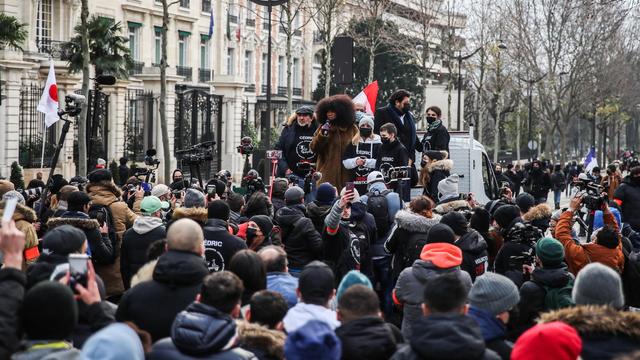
(445, 336)
(301, 241)
(437, 139)
(406, 131)
(629, 193)
(135, 243)
(475, 258)
(200, 332)
(295, 142)
(438, 171)
(518, 249)
(102, 249)
(557, 181)
(317, 213)
(539, 182)
(220, 245)
(391, 155)
(368, 338)
(12, 282)
(153, 305)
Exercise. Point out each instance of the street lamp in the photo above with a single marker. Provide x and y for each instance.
(267, 132)
(531, 82)
(460, 58)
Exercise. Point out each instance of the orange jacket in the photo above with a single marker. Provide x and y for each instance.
(578, 256)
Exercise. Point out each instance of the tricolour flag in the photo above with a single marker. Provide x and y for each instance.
(590, 161)
(211, 23)
(368, 96)
(49, 100)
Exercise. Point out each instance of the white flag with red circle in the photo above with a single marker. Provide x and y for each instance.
(368, 97)
(49, 100)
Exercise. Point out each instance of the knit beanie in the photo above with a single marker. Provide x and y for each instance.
(480, 220)
(555, 340)
(494, 293)
(448, 188)
(315, 340)
(456, 221)
(99, 175)
(525, 201)
(264, 223)
(49, 311)
(506, 214)
(356, 196)
(63, 240)
(218, 209)
(598, 284)
(116, 341)
(353, 277)
(440, 233)
(193, 198)
(294, 195)
(13, 194)
(362, 119)
(550, 252)
(6, 186)
(325, 194)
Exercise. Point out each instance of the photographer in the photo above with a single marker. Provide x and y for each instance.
(392, 155)
(294, 142)
(178, 180)
(606, 249)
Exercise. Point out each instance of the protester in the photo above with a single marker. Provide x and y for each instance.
(539, 182)
(278, 277)
(449, 196)
(393, 155)
(24, 218)
(525, 202)
(267, 308)
(515, 175)
(123, 171)
(611, 182)
(258, 232)
(337, 117)
(314, 340)
(279, 187)
(235, 202)
(136, 241)
(503, 180)
(295, 140)
(475, 258)
(206, 328)
(553, 340)
(12, 286)
(177, 278)
(178, 181)
(219, 244)
(194, 207)
(437, 136)
(397, 112)
(360, 156)
(63, 196)
(116, 341)
(539, 216)
(248, 266)
(261, 334)
(442, 328)
(435, 167)
(557, 184)
(318, 209)
(627, 195)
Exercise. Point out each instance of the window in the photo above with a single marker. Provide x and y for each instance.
(282, 77)
(204, 52)
(134, 40)
(264, 69)
(184, 3)
(297, 83)
(248, 67)
(43, 25)
(183, 46)
(157, 39)
(230, 61)
(233, 12)
(206, 6)
(317, 70)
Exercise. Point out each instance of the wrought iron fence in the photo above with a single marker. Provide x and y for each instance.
(139, 124)
(185, 71)
(97, 129)
(32, 130)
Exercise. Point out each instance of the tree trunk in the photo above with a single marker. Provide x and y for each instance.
(163, 95)
(496, 131)
(518, 140)
(82, 119)
(327, 55)
(372, 62)
(563, 145)
(450, 87)
(289, 74)
(480, 124)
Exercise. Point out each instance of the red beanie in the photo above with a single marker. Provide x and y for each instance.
(555, 340)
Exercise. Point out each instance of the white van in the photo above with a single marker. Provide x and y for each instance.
(472, 165)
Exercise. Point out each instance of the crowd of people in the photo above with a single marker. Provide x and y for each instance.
(352, 267)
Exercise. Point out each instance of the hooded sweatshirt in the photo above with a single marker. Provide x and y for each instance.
(135, 242)
(116, 341)
(300, 314)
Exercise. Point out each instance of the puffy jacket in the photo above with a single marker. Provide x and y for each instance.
(197, 214)
(578, 256)
(24, 218)
(493, 332)
(102, 250)
(200, 332)
(301, 241)
(627, 195)
(317, 213)
(368, 338)
(408, 230)
(46, 350)
(446, 337)
(153, 305)
(540, 183)
(435, 259)
(220, 245)
(475, 258)
(136, 241)
(518, 249)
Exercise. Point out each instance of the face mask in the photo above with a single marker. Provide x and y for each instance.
(498, 172)
(385, 140)
(406, 108)
(431, 119)
(365, 132)
(251, 234)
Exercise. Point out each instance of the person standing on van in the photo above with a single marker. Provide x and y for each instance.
(437, 136)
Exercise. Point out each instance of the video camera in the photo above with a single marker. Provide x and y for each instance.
(72, 105)
(252, 183)
(593, 199)
(246, 146)
(399, 173)
(197, 153)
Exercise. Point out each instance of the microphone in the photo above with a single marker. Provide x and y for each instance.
(317, 176)
(77, 98)
(105, 79)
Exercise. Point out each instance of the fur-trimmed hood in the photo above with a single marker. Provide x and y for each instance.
(104, 192)
(22, 212)
(342, 105)
(455, 205)
(145, 273)
(196, 214)
(444, 165)
(260, 338)
(80, 223)
(538, 212)
(601, 320)
(409, 221)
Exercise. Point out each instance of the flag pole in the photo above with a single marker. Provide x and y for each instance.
(44, 140)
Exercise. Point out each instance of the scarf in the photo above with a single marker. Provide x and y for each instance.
(434, 125)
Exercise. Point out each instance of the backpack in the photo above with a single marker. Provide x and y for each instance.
(378, 207)
(558, 298)
(103, 215)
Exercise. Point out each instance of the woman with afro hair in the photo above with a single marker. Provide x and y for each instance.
(338, 114)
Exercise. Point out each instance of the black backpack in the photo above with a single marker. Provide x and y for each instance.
(378, 207)
(103, 215)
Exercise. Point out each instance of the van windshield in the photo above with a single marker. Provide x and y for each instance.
(487, 179)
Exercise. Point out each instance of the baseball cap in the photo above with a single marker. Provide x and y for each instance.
(374, 176)
(159, 190)
(151, 204)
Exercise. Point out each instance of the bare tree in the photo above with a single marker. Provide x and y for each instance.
(328, 23)
(86, 69)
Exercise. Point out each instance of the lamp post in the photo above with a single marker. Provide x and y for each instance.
(530, 83)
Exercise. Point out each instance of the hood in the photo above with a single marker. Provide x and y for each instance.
(180, 268)
(103, 192)
(302, 313)
(145, 224)
(590, 320)
(68, 218)
(116, 341)
(472, 242)
(66, 353)
(216, 225)
(196, 214)
(22, 212)
(553, 278)
(358, 211)
(201, 330)
(366, 338)
(538, 212)
(145, 273)
(444, 165)
(378, 185)
(447, 337)
(413, 222)
(449, 206)
(254, 336)
(376, 139)
(316, 210)
(491, 327)
(442, 255)
(288, 215)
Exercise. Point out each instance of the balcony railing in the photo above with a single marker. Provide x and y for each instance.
(204, 75)
(54, 48)
(185, 71)
(252, 88)
(263, 89)
(297, 91)
(136, 69)
(265, 25)
(251, 22)
(282, 90)
(233, 19)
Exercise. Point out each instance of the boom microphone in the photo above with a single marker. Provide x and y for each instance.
(105, 79)
(77, 98)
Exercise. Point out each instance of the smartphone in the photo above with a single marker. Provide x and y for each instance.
(211, 189)
(146, 187)
(78, 270)
(349, 186)
(9, 209)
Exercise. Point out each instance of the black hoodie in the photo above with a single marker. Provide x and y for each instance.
(219, 244)
(475, 258)
(446, 337)
(629, 194)
(302, 242)
(317, 213)
(368, 338)
(393, 154)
